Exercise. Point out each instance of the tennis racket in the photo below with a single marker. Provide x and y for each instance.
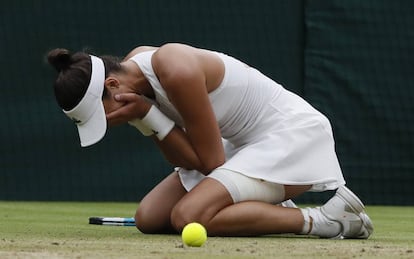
(112, 221)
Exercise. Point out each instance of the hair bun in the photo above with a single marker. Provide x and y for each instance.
(60, 59)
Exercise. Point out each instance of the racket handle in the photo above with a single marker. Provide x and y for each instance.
(114, 221)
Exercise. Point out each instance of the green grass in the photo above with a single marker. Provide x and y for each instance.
(61, 230)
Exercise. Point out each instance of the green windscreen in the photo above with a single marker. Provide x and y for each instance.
(41, 158)
(353, 60)
(359, 71)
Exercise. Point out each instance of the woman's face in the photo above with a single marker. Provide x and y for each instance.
(109, 102)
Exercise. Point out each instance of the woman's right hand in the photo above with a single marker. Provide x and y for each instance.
(134, 106)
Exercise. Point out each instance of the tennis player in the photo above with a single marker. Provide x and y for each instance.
(241, 143)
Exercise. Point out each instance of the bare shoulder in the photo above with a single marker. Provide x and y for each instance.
(174, 59)
(175, 62)
(171, 48)
(137, 50)
(173, 52)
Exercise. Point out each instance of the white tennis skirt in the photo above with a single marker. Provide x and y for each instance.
(294, 145)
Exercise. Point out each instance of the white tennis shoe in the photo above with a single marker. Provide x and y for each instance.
(348, 210)
(288, 204)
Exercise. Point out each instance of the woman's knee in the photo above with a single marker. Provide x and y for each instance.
(150, 220)
(153, 213)
(144, 222)
(200, 205)
(183, 214)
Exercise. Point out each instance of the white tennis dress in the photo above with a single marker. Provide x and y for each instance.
(268, 132)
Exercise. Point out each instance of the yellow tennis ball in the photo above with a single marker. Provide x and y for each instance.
(194, 234)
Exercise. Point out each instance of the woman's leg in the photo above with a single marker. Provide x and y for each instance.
(210, 204)
(154, 211)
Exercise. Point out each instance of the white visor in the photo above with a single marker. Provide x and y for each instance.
(89, 114)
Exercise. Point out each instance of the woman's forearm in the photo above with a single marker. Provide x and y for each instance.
(177, 149)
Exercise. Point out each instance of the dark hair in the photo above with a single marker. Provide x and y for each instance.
(74, 75)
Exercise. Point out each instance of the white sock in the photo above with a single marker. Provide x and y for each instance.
(315, 223)
(307, 222)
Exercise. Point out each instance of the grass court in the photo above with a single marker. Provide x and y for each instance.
(61, 230)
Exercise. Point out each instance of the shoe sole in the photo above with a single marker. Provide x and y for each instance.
(367, 224)
(357, 207)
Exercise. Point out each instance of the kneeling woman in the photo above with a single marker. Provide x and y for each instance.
(241, 143)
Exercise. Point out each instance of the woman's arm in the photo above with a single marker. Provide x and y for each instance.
(175, 146)
(181, 74)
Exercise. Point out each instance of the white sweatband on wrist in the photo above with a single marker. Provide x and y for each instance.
(137, 123)
(160, 124)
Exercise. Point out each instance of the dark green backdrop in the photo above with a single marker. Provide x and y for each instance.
(351, 59)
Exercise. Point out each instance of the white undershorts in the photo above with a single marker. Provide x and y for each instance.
(239, 186)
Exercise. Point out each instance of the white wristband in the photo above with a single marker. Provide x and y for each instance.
(137, 123)
(160, 124)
